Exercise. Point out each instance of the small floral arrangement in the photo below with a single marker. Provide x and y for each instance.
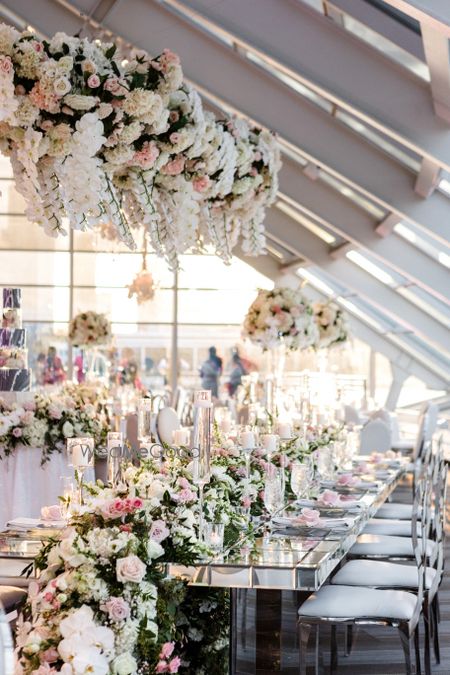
(332, 324)
(282, 315)
(46, 421)
(89, 329)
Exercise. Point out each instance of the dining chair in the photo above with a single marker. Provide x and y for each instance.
(375, 436)
(352, 605)
(386, 574)
(6, 645)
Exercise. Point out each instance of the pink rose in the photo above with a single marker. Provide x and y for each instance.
(50, 655)
(30, 406)
(174, 665)
(174, 116)
(93, 81)
(130, 568)
(167, 650)
(174, 137)
(329, 498)
(37, 46)
(6, 65)
(175, 167)
(146, 156)
(161, 667)
(257, 156)
(118, 609)
(309, 517)
(46, 125)
(347, 479)
(113, 509)
(185, 496)
(51, 512)
(184, 483)
(246, 502)
(17, 432)
(201, 184)
(159, 531)
(112, 84)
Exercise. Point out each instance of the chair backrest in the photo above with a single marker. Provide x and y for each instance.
(423, 424)
(375, 436)
(6, 646)
(420, 533)
(433, 413)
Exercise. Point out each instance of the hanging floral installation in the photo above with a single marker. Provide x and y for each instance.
(96, 139)
(143, 285)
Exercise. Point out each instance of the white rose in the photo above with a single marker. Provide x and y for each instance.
(130, 568)
(124, 664)
(61, 86)
(67, 430)
(154, 550)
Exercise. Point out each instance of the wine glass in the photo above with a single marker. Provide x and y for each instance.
(273, 490)
(301, 477)
(67, 498)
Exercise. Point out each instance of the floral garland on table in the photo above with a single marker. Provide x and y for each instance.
(96, 138)
(281, 315)
(89, 329)
(47, 420)
(103, 600)
(332, 324)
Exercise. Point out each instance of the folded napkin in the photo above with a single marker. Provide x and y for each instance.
(346, 502)
(51, 513)
(26, 524)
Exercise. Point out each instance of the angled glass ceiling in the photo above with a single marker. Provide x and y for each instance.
(411, 344)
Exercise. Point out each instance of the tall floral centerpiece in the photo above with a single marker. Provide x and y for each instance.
(90, 330)
(279, 320)
(333, 327)
(94, 137)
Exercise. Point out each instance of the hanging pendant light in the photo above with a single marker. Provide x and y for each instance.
(143, 285)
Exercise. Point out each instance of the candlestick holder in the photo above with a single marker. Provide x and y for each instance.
(202, 446)
(80, 453)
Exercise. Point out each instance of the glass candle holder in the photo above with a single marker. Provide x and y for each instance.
(145, 418)
(213, 536)
(114, 444)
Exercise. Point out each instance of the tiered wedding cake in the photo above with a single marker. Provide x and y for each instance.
(14, 372)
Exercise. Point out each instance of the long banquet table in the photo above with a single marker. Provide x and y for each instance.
(285, 561)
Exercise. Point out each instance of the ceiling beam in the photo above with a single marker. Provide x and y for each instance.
(427, 179)
(434, 13)
(435, 45)
(332, 62)
(381, 343)
(319, 202)
(383, 24)
(247, 89)
(346, 273)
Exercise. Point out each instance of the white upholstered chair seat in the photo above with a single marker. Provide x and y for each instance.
(343, 602)
(392, 526)
(386, 545)
(380, 573)
(395, 510)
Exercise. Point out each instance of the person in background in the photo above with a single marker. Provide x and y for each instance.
(210, 372)
(237, 371)
(40, 368)
(79, 368)
(54, 370)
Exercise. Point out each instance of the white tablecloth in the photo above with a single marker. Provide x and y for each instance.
(25, 486)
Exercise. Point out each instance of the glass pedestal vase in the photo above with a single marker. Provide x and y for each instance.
(275, 365)
(95, 365)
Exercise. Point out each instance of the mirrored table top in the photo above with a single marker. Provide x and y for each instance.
(289, 557)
